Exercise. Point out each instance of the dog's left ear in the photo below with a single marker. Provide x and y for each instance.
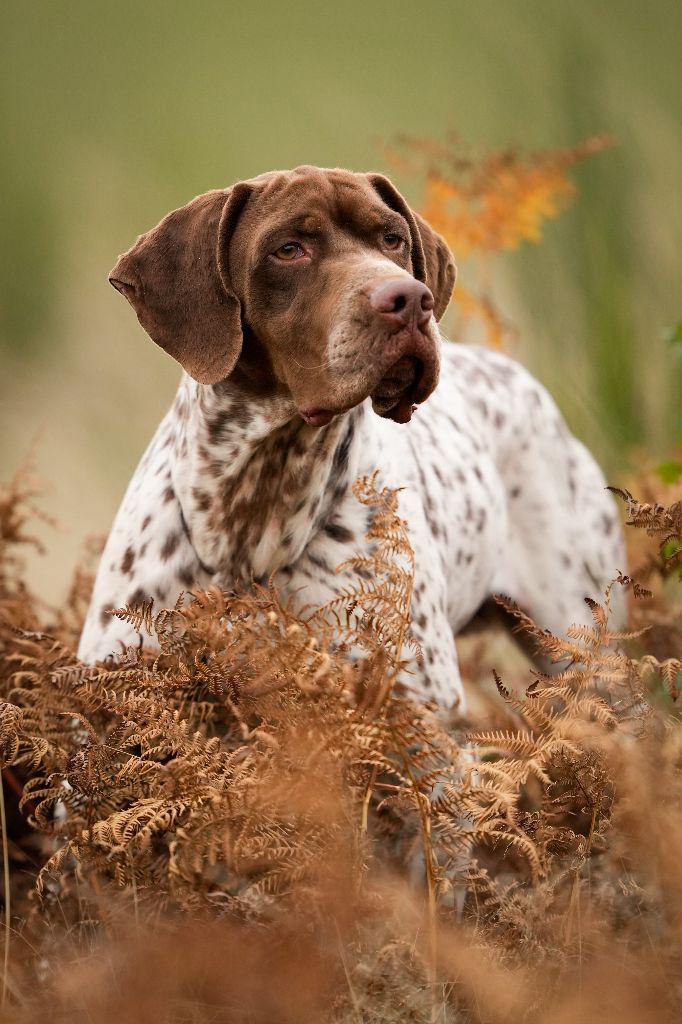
(432, 261)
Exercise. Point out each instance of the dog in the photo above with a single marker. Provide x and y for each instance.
(303, 307)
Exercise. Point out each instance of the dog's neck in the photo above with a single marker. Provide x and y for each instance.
(256, 481)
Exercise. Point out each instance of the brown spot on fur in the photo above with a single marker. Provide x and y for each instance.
(201, 499)
(217, 425)
(128, 560)
(187, 576)
(169, 546)
(138, 596)
(338, 532)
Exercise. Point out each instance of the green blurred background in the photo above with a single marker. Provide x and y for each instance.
(115, 113)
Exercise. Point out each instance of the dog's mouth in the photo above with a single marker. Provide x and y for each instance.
(397, 393)
(406, 384)
(395, 397)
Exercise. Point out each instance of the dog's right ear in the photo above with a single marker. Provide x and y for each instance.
(176, 278)
(432, 261)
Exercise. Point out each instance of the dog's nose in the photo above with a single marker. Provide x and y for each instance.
(403, 301)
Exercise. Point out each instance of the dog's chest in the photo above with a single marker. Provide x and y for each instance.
(258, 499)
(253, 509)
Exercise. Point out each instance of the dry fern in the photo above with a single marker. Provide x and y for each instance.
(257, 771)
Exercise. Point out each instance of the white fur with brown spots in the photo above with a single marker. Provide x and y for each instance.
(500, 497)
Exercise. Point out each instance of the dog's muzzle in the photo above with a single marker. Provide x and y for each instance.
(406, 305)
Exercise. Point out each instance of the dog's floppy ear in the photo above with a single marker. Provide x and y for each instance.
(432, 261)
(176, 279)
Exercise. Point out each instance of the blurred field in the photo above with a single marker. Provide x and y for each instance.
(113, 114)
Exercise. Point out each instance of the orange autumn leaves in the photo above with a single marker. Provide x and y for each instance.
(503, 204)
(490, 204)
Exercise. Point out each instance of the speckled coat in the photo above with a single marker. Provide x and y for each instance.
(499, 496)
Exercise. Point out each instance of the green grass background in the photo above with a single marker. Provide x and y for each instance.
(113, 113)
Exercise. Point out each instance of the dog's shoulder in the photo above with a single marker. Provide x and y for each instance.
(148, 553)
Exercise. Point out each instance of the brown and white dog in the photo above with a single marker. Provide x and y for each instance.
(303, 306)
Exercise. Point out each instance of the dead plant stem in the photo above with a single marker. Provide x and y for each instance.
(8, 901)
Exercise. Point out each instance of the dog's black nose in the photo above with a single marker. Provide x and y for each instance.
(403, 301)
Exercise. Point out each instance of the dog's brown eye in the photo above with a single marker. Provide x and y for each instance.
(289, 251)
(392, 241)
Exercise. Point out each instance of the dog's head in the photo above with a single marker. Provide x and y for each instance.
(322, 284)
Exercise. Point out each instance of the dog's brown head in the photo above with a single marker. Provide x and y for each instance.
(319, 283)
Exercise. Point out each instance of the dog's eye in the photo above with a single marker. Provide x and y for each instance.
(393, 241)
(290, 251)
